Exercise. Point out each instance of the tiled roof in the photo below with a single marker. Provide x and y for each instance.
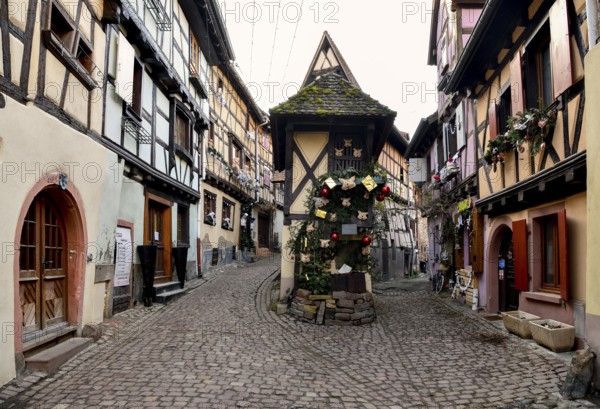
(331, 95)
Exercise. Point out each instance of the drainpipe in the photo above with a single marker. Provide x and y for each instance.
(591, 8)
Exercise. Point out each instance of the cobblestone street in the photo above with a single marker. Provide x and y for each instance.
(221, 347)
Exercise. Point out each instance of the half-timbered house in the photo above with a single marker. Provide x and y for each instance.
(54, 174)
(523, 67)
(442, 152)
(238, 196)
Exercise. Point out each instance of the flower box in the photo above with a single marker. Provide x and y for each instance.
(517, 322)
(552, 334)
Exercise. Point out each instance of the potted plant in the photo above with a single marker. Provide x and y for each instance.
(517, 322)
(180, 258)
(557, 336)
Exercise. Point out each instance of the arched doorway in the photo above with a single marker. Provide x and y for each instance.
(43, 270)
(508, 296)
(49, 268)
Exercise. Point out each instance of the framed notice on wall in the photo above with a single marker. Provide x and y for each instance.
(124, 254)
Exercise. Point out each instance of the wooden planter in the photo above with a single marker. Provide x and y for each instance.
(552, 334)
(517, 322)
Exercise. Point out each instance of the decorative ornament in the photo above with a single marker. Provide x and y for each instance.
(357, 153)
(320, 202)
(347, 143)
(363, 215)
(330, 182)
(332, 217)
(367, 196)
(325, 243)
(366, 241)
(321, 213)
(380, 197)
(346, 202)
(366, 250)
(339, 152)
(305, 258)
(310, 228)
(369, 183)
(325, 192)
(386, 190)
(335, 236)
(349, 183)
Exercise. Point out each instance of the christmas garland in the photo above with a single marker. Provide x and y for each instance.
(337, 198)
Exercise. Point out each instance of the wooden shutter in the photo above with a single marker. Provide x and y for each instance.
(478, 246)
(493, 120)
(521, 263)
(563, 254)
(516, 85)
(560, 47)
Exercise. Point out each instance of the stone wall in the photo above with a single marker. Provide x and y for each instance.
(340, 308)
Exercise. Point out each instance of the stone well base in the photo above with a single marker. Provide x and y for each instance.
(340, 308)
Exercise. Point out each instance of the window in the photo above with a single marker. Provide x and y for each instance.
(68, 45)
(228, 214)
(211, 134)
(210, 208)
(194, 55)
(136, 98)
(235, 152)
(182, 131)
(549, 241)
(504, 111)
(539, 70)
(183, 225)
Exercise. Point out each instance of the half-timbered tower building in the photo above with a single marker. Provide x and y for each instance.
(523, 67)
(396, 255)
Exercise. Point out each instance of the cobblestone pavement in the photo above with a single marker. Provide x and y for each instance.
(220, 347)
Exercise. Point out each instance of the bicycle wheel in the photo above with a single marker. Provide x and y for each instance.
(439, 282)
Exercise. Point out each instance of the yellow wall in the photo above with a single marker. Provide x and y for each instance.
(592, 93)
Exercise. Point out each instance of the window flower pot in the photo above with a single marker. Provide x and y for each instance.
(557, 336)
(517, 322)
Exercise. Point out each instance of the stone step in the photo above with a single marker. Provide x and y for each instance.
(165, 297)
(51, 359)
(166, 287)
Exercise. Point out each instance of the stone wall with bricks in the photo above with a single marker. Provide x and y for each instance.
(339, 308)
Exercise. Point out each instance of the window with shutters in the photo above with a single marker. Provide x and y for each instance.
(504, 111)
(549, 241)
(539, 69)
(550, 249)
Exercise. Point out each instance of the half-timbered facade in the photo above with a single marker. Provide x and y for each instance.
(54, 173)
(527, 57)
(442, 153)
(238, 195)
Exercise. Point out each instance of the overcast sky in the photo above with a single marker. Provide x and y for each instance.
(383, 41)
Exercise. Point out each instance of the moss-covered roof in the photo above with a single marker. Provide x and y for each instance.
(331, 95)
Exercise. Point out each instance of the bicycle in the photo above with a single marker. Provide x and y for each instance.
(437, 281)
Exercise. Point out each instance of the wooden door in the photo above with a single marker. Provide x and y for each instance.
(42, 266)
(263, 231)
(159, 233)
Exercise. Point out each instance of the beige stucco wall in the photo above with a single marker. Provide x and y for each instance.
(31, 141)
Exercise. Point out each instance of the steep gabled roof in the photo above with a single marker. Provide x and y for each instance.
(331, 95)
(328, 58)
(424, 135)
